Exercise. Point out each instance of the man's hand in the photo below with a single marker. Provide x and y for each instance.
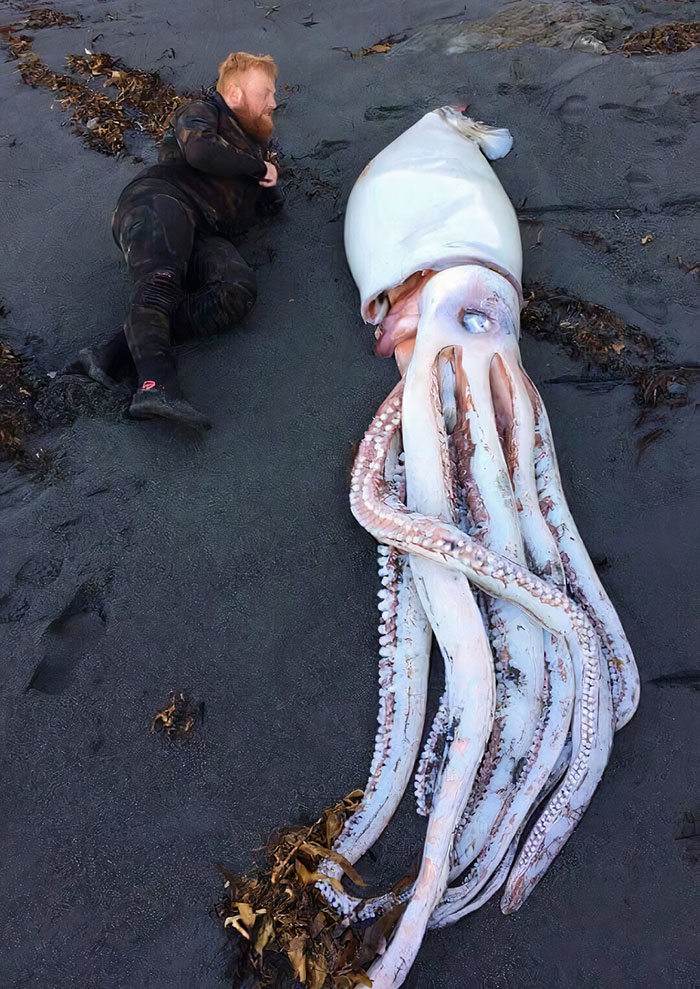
(270, 176)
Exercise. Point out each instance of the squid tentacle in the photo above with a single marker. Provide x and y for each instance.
(389, 520)
(403, 677)
(518, 642)
(515, 413)
(458, 626)
(456, 905)
(580, 572)
(592, 736)
(469, 675)
(517, 806)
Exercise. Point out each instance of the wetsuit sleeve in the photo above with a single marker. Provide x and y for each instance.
(205, 149)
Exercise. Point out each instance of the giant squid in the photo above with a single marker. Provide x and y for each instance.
(457, 480)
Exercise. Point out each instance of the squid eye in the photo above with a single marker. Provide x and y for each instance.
(475, 322)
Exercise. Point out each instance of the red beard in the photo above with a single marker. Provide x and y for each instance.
(259, 128)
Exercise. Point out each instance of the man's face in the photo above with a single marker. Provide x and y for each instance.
(252, 99)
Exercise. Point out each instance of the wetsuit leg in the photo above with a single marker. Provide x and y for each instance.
(155, 232)
(222, 289)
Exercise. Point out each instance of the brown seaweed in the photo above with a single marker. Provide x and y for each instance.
(378, 48)
(623, 352)
(177, 719)
(18, 416)
(32, 402)
(138, 101)
(662, 39)
(280, 926)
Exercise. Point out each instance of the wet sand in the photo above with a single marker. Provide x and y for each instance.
(142, 562)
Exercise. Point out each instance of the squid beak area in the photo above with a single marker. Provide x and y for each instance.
(500, 389)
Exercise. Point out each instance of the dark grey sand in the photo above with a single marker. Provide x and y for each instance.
(231, 567)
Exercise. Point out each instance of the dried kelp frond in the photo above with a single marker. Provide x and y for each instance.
(667, 386)
(589, 331)
(378, 48)
(282, 928)
(143, 94)
(381, 47)
(40, 17)
(142, 101)
(19, 45)
(177, 719)
(663, 39)
(586, 329)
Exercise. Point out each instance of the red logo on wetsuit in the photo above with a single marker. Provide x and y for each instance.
(147, 385)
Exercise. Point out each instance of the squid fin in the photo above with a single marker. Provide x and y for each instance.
(495, 142)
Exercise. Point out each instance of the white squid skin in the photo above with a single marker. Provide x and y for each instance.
(539, 673)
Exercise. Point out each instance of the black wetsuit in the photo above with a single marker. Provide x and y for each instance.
(175, 224)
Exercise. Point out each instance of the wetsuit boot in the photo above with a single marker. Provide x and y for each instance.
(103, 360)
(165, 401)
(100, 361)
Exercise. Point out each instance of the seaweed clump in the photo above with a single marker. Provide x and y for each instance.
(177, 719)
(283, 933)
(662, 39)
(18, 416)
(623, 352)
(33, 402)
(141, 102)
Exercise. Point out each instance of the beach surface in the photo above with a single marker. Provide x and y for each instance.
(138, 561)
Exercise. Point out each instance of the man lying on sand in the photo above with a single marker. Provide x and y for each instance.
(176, 225)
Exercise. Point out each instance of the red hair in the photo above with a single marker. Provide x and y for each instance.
(235, 64)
